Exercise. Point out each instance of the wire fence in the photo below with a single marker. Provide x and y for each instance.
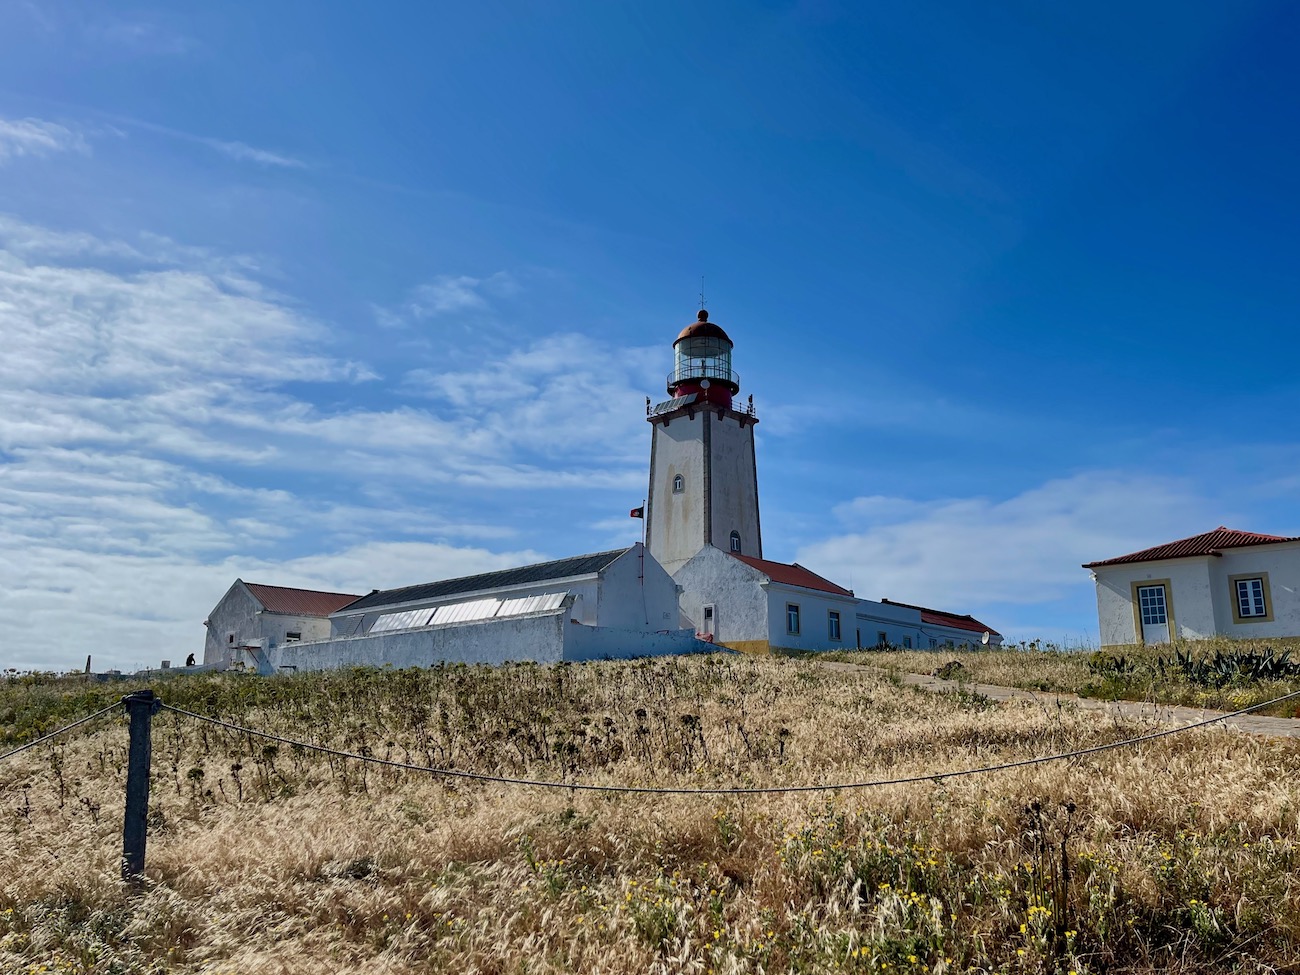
(666, 790)
(735, 790)
(62, 731)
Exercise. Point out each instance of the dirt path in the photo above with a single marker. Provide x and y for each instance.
(1131, 710)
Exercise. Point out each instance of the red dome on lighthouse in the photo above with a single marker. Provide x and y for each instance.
(702, 328)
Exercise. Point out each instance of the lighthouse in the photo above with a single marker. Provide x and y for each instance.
(703, 469)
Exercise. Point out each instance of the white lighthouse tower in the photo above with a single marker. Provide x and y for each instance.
(703, 470)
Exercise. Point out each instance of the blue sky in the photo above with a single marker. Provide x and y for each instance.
(351, 297)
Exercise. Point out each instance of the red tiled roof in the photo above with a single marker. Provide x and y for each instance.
(791, 575)
(298, 602)
(1207, 543)
(939, 618)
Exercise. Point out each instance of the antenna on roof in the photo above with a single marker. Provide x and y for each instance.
(702, 301)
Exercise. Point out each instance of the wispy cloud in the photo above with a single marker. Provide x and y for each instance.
(162, 431)
(446, 294)
(241, 152)
(139, 36)
(230, 148)
(965, 553)
(38, 138)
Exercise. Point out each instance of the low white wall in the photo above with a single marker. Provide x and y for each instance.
(515, 638)
(610, 643)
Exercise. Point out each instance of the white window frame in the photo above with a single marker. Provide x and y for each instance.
(679, 484)
(833, 628)
(735, 542)
(792, 619)
(1258, 604)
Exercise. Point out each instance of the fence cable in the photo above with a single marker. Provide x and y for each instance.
(759, 790)
(64, 730)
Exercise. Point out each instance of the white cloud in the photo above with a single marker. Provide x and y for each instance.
(156, 442)
(963, 553)
(130, 611)
(446, 294)
(241, 152)
(37, 138)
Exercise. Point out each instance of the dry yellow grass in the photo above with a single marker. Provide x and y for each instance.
(1094, 674)
(1179, 855)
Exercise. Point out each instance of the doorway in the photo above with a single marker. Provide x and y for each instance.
(1153, 613)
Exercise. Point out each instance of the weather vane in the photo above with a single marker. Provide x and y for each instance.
(702, 302)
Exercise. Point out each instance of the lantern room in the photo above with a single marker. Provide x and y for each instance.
(702, 363)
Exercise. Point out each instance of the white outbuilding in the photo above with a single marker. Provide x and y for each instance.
(252, 618)
(612, 604)
(1223, 582)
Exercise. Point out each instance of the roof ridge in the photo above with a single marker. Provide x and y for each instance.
(530, 565)
(270, 585)
(1212, 542)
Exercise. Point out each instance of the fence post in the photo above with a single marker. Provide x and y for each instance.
(141, 706)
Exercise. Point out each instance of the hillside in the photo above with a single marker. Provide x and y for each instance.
(1178, 854)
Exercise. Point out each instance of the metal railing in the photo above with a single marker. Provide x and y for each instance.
(704, 369)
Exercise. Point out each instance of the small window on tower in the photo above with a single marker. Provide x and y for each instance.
(679, 484)
(735, 541)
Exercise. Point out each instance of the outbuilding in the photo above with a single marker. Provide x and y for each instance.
(619, 603)
(251, 618)
(1223, 582)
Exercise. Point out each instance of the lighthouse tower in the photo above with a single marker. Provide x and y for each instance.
(703, 471)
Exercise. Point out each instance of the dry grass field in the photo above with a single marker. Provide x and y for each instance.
(1131, 673)
(1177, 855)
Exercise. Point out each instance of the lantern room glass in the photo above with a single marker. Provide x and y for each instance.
(702, 358)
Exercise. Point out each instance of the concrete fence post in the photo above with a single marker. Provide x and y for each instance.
(141, 706)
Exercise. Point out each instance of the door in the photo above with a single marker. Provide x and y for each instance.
(1154, 613)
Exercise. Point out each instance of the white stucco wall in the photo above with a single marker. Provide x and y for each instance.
(675, 529)
(733, 588)
(611, 643)
(1189, 593)
(734, 504)
(814, 610)
(1281, 563)
(896, 622)
(238, 613)
(537, 638)
(234, 615)
(635, 593)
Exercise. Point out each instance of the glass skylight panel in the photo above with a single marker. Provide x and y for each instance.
(519, 605)
(475, 609)
(402, 621)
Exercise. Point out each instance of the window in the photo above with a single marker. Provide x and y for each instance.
(934, 644)
(1151, 604)
(1251, 600)
(735, 541)
(882, 638)
(709, 620)
(907, 643)
(679, 484)
(230, 638)
(293, 637)
(792, 618)
(833, 624)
